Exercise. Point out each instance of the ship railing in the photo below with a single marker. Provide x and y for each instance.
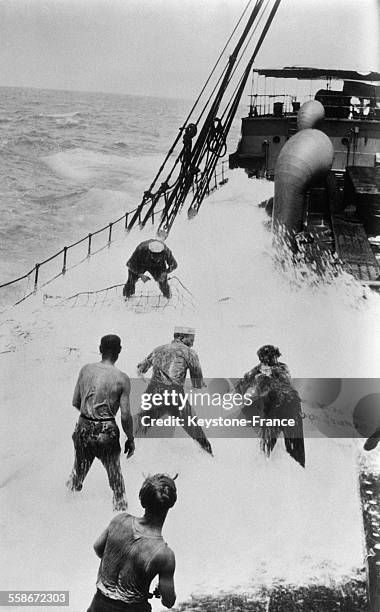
(272, 105)
(282, 105)
(218, 179)
(75, 254)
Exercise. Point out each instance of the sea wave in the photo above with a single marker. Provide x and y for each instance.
(56, 198)
(65, 123)
(119, 145)
(60, 115)
(29, 140)
(84, 165)
(72, 163)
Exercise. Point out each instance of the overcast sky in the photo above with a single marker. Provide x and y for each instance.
(167, 47)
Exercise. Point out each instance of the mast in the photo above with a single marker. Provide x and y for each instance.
(200, 193)
(196, 162)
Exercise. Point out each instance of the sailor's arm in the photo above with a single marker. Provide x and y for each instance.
(100, 543)
(171, 262)
(284, 368)
(77, 396)
(166, 567)
(126, 417)
(247, 381)
(195, 370)
(144, 366)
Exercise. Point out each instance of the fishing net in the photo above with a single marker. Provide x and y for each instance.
(145, 300)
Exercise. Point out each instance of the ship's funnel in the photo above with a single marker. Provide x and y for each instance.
(310, 113)
(306, 156)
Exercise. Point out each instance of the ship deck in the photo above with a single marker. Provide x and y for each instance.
(354, 250)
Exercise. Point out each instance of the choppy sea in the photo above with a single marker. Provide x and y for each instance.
(71, 162)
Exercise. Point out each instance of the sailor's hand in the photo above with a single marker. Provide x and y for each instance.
(140, 373)
(144, 278)
(129, 447)
(162, 277)
(156, 592)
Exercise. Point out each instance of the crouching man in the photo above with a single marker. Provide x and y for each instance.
(151, 256)
(133, 552)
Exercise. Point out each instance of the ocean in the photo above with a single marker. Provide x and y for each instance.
(71, 162)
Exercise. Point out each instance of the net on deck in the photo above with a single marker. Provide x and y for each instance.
(146, 300)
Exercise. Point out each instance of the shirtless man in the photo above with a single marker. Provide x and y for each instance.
(100, 391)
(133, 551)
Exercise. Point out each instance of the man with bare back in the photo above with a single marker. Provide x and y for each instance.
(133, 551)
(99, 393)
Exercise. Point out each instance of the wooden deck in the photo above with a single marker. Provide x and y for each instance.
(354, 250)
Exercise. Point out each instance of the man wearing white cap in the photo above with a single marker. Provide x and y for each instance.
(151, 256)
(170, 363)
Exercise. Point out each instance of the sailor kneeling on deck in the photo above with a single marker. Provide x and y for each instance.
(151, 256)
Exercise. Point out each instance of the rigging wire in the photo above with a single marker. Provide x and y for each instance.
(211, 140)
(225, 69)
(239, 61)
(198, 98)
(244, 51)
(208, 170)
(183, 183)
(216, 64)
(199, 195)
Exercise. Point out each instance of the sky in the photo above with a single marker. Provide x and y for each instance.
(168, 47)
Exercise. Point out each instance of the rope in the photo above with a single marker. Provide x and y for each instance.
(211, 162)
(189, 168)
(219, 58)
(212, 139)
(141, 303)
(148, 193)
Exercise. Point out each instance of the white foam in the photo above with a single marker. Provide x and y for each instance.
(82, 165)
(240, 519)
(61, 115)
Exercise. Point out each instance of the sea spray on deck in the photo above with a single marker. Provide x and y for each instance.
(243, 301)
